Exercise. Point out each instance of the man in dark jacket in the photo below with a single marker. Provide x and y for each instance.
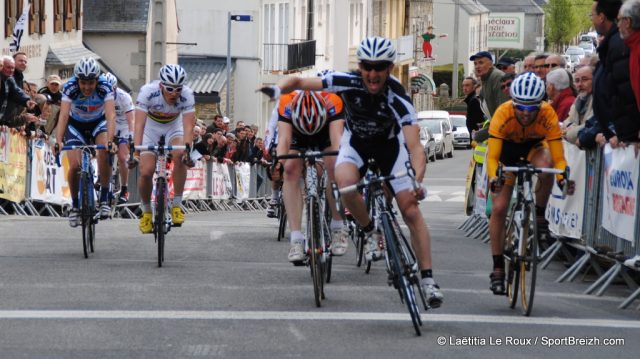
(614, 105)
(475, 116)
(11, 97)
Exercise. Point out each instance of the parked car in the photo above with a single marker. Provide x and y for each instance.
(442, 134)
(588, 48)
(570, 64)
(574, 51)
(435, 115)
(428, 142)
(461, 137)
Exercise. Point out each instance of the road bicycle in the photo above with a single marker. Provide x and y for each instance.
(162, 217)
(89, 213)
(401, 262)
(522, 252)
(318, 235)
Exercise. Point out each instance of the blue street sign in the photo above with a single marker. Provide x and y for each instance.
(241, 18)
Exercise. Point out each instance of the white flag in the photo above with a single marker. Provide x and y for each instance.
(19, 29)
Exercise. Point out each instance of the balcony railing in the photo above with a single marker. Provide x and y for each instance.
(289, 57)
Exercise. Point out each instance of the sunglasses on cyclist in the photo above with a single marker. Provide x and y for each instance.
(528, 108)
(377, 66)
(172, 89)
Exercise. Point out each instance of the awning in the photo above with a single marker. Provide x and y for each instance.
(206, 76)
(66, 56)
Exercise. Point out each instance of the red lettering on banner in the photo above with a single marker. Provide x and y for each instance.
(623, 204)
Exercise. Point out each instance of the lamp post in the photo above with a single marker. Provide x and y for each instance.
(229, 19)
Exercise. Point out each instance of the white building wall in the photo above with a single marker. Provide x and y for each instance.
(205, 23)
(117, 52)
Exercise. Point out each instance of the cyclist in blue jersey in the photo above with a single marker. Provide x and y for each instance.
(87, 112)
(380, 124)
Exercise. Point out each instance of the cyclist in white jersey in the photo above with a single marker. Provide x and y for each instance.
(87, 112)
(124, 129)
(159, 107)
(381, 124)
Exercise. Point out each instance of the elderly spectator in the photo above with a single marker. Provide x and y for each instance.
(614, 104)
(506, 65)
(490, 77)
(197, 134)
(540, 67)
(581, 110)
(20, 63)
(629, 26)
(12, 97)
(54, 84)
(8, 66)
(475, 117)
(555, 61)
(559, 92)
(528, 63)
(505, 84)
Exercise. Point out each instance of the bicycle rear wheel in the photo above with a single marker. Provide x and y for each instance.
(511, 259)
(528, 258)
(407, 294)
(86, 189)
(315, 263)
(159, 223)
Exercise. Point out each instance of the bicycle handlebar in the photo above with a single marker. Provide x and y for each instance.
(377, 179)
(75, 147)
(533, 170)
(308, 154)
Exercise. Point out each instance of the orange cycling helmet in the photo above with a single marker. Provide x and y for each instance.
(308, 112)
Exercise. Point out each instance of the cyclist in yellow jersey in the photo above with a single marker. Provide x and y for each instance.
(528, 128)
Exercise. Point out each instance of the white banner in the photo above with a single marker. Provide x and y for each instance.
(621, 167)
(506, 30)
(194, 186)
(220, 181)
(48, 181)
(243, 176)
(480, 206)
(566, 215)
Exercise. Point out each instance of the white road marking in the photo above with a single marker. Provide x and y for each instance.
(321, 315)
(456, 199)
(432, 198)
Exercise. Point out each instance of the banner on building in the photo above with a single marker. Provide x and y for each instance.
(506, 30)
(620, 190)
(566, 215)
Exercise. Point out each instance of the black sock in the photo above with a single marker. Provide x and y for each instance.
(540, 211)
(426, 273)
(498, 262)
(368, 228)
(123, 189)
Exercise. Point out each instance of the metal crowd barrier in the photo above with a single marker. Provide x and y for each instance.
(598, 249)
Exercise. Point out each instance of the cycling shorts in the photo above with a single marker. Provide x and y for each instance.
(512, 153)
(154, 130)
(123, 133)
(83, 133)
(390, 155)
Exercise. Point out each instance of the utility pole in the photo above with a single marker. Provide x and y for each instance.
(158, 36)
(454, 72)
(229, 19)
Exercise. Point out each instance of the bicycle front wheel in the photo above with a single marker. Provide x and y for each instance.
(407, 294)
(86, 190)
(158, 226)
(511, 259)
(315, 248)
(528, 258)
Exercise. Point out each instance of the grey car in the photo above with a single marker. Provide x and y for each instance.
(428, 143)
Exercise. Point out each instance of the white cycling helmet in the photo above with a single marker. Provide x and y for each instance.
(376, 49)
(528, 89)
(172, 75)
(111, 79)
(87, 69)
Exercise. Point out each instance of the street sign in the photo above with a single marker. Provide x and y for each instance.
(241, 17)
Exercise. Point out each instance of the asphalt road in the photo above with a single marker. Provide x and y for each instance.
(226, 290)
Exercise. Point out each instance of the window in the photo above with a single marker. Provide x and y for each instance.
(12, 11)
(37, 17)
(57, 15)
(78, 14)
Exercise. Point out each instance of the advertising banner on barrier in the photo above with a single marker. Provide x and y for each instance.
(48, 181)
(13, 166)
(220, 181)
(620, 189)
(566, 215)
(243, 178)
(194, 186)
(480, 206)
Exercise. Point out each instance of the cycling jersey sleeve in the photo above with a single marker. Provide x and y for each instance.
(557, 154)
(494, 148)
(335, 106)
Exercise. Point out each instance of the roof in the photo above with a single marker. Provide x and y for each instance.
(525, 6)
(205, 74)
(472, 7)
(121, 16)
(66, 56)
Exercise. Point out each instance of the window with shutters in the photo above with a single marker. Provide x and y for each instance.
(57, 15)
(12, 11)
(69, 16)
(37, 17)
(78, 14)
